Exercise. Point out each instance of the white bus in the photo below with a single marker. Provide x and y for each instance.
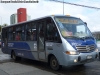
(59, 40)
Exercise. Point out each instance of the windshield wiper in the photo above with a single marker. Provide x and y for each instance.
(87, 37)
(81, 38)
(74, 37)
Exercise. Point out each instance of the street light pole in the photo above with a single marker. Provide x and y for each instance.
(63, 7)
(1, 26)
(1, 20)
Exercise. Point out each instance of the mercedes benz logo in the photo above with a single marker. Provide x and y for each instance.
(87, 48)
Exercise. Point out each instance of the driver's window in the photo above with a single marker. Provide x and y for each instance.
(80, 28)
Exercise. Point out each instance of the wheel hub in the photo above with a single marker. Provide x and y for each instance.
(54, 63)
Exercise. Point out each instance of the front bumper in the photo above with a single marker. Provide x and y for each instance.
(82, 58)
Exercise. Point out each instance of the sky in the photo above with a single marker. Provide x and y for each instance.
(45, 7)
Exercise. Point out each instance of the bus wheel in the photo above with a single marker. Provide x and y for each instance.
(54, 63)
(14, 57)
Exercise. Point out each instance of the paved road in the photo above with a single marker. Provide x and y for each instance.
(9, 67)
(12, 68)
(30, 67)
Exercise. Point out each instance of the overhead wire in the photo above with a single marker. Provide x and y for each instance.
(90, 2)
(75, 4)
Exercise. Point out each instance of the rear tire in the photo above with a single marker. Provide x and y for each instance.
(54, 63)
(14, 57)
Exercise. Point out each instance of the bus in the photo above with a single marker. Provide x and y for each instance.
(59, 40)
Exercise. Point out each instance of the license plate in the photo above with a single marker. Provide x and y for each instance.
(89, 57)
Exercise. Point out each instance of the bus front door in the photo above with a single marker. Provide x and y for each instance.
(41, 43)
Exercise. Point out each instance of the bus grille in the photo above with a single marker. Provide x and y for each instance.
(85, 48)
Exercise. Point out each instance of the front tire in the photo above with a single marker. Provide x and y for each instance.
(54, 63)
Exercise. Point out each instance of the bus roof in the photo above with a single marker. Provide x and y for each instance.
(38, 19)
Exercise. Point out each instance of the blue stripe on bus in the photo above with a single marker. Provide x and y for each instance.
(25, 54)
(18, 45)
(21, 49)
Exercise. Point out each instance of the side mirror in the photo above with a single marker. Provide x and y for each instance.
(85, 23)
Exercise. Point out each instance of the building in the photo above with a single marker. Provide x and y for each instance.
(28, 17)
(13, 18)
(20, 16)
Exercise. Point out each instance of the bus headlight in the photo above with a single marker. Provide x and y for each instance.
(96, 50)
(72, 52)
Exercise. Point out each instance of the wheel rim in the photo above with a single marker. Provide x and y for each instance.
(54, 63)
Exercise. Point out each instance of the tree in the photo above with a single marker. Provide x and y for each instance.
(3, 26)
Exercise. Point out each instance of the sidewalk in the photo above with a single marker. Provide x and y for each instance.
(4, 57)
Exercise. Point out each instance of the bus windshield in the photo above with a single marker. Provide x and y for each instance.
(72, 27)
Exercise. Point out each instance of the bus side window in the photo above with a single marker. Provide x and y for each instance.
(33, 33)
(23, 33)
(18, 38)
(18, 33)
(49, 32)
(52, 32)
(32, 36)
(10, 37)
(28, 31)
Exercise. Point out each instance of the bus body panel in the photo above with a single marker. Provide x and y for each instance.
(69, 60)
(23, 49)
(56, 49)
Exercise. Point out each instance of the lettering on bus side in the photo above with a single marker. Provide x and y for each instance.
(49, 44)
(75, 44)
(10, 44)
(35, 46)
(20, 54)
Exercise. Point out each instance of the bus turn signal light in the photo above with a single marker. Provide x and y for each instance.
(72, 52)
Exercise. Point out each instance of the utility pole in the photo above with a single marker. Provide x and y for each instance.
(1, 20)
(1, 26)
(63, 7)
